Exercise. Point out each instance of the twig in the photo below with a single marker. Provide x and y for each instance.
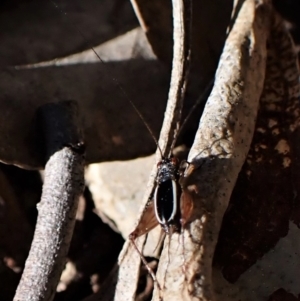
(220, 148)
(180, 68)
(63, 185)
(170, 127)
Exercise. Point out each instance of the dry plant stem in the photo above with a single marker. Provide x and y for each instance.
(129, 260)
(220, 148)
(180, 65)
(64, 182)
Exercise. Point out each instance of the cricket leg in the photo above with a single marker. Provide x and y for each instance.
(186, 210)
(146, 224)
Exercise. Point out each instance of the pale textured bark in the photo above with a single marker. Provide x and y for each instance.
(258, 246)
(218, 153)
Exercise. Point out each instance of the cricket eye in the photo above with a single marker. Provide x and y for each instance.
(159, 164)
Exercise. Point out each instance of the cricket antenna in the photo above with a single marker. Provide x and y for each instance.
(116, 82)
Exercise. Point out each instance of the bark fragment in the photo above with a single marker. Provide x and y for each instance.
(266, 195)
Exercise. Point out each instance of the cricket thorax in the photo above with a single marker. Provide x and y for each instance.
(167, 170)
